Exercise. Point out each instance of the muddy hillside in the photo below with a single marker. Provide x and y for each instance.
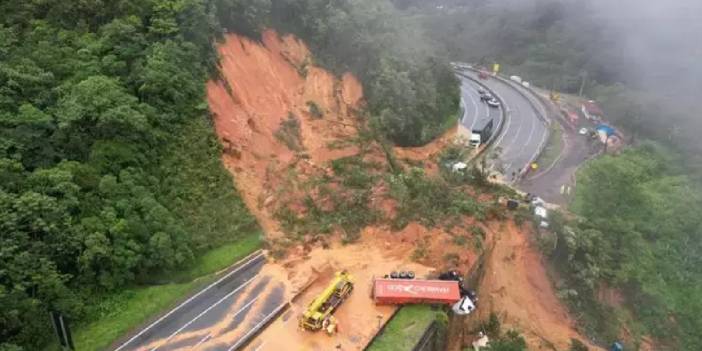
(282, 121)
(276, 112)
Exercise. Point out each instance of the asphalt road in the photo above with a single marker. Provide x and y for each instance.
(523, 130)
(219, 317)
(473, 108)
(577, 148)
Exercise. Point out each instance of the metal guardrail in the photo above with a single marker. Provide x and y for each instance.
(428, 340)
(123, 342)
(500, 123)
(381, 330)
(540, 110)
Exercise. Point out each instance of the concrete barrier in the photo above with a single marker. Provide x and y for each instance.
(500, 122)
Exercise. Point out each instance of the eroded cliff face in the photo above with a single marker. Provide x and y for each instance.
(263, 87)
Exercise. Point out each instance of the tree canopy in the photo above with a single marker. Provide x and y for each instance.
(640, 232)
(110, 170)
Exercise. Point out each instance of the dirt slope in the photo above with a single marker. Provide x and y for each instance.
(517, 288)
(265, 83)
(262, 85)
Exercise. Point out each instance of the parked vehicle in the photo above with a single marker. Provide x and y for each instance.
(319, 314)
(481, 132)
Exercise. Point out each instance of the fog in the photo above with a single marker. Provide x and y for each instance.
(661, 41)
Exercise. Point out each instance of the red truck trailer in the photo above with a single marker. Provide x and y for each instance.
(415, 291)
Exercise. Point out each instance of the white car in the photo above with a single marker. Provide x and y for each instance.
(464, 306)
(482, 91)
(493, 103)
(582, 131)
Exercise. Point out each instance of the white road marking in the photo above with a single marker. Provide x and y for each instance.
(202, 341)
(260, 346)
(505, 128)
(519, 130)
(209, 309)
(531, 132)
(475, 109)
(257, 326)
(253, 256)
(234, 316)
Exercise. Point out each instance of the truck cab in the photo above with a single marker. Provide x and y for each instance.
(475, 140)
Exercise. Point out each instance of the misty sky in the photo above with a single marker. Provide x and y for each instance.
(662, 40)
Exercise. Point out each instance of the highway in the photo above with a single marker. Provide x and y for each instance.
(222, 316)
(523, 131)
(473, 108)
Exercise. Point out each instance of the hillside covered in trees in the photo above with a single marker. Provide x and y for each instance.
(110, 169)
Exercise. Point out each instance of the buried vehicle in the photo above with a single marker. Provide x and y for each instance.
(319, 314)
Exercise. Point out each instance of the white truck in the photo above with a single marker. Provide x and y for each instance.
(481, 132)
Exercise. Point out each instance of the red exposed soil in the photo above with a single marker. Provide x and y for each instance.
(262, 84)
(429, 152)
(517, 288)
(359, 318)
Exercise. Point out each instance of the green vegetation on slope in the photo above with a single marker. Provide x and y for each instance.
(109, 164)
(404, 330)
(111, 315)
(408, 84)
(640, 232)
(116, 313)
(110, 168)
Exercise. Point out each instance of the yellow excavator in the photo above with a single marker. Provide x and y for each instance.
(318, 315)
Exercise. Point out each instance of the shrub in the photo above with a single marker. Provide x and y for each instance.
(577, 345)
(289, 133)
(460, 240)
(314, 110)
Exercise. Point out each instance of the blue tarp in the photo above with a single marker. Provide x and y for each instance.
(605, 129)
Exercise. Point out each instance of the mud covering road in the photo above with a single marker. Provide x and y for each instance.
(219, 316)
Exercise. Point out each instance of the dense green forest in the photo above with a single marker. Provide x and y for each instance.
(410, 89)
(637, 227)
(109, 165)
(639, 231)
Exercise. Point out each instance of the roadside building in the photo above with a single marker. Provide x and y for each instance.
(604, 132)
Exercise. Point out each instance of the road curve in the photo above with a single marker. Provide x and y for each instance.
(219, 317)
(523, 130)
(473, 108)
